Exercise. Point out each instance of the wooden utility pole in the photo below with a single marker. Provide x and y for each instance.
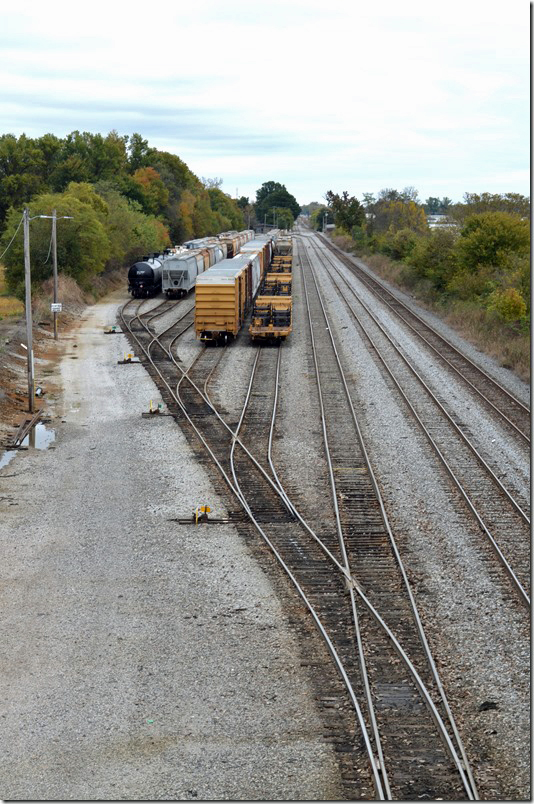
(29, 332)
(54, 253)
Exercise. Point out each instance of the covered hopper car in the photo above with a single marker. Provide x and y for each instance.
(179, 272)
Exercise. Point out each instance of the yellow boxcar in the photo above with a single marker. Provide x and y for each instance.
(224, 295)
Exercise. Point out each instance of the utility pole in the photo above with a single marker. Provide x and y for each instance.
(55, 306)
(29, 333)
(54, 251)
(28, 288)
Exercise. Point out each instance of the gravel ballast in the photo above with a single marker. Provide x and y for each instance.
(479, 635)
(143, 659)
(150, 660)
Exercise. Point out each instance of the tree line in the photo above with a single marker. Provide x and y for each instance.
(479, 255)
(125, 198)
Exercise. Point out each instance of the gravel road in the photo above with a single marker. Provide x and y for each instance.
(143, 659)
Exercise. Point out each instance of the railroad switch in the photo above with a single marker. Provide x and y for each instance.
(200, 514)
(154, 410)
(128, 358)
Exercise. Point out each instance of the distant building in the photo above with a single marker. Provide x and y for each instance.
(435, 221)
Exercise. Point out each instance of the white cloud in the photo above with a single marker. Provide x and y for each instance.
(315, 95)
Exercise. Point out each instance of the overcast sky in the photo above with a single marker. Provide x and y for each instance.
(316, 94)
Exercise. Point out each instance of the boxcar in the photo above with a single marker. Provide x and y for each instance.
(261, 246)
(224, 295)
(234, 240)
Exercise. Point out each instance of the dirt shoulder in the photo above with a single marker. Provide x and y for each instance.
(14, 405)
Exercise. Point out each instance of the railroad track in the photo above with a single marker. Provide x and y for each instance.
(325, 586)
(374, 562)
(497, 399)
(502, 515)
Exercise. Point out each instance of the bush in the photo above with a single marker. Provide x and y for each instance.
(432, 258)
(473, 286)
(508, 304)
(401, 243)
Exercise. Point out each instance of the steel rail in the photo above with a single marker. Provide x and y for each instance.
(508, 568)
(469, 786)
(372, 283)
(341, 540)
(300, 591)
(429, 391)
(397, 646)
(380, 763)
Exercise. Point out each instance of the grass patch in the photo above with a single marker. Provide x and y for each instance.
(9, 305)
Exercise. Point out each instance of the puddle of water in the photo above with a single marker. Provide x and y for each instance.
(39, 437)
(8, 455)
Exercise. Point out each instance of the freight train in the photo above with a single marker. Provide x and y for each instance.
(225, 294)
(273, 307)
(151, 274)
(179, 272)
(144, 276)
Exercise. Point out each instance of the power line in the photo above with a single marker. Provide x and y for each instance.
(16, 230)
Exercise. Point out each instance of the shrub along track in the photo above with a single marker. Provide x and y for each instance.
(510, 409)
(420, 760)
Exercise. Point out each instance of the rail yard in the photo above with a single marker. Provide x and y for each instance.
(350, 618)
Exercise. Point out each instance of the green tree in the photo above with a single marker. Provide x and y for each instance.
(139, 153)
(369, 201)
(266, 189)
(22, 166)
(432, 206)
(307, 209)
(271, 195)
(508, 304)
(131, 233)
(474, 204)
(347, 210)
(433, 259)
(283, 217)
(83, 245)
(154, 193)
(227, 207)
(392, 216)
(318, 216)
